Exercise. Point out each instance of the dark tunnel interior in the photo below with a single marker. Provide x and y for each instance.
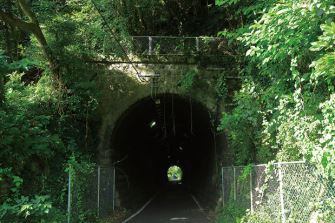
(156, 133)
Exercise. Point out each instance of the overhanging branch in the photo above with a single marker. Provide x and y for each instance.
(27, 11)
(34, 28)
(16, 22)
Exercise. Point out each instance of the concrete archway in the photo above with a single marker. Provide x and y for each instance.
(126, 110)
(121, 89)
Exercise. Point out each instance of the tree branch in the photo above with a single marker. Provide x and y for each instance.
(28, 27)
(27, 11)
(34, 28)
(16, 22)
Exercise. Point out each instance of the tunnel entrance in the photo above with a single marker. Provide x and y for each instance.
(155, 134)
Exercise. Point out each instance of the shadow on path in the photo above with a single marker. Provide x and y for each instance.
(173, 204)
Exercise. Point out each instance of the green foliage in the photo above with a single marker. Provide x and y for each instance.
(23, 126)
(221, 87)
(324, 147)
(245, 114)
(230, 213)
(152, 17)
(30, 143)
(280, 44)
(81, 168)
(284, 109)
(17, 207)
(44, 119)
(245, 175)
(36, 136)
(324, 69)
(188, 79)
(283, 34)
(258, 217)
(38, 131)
(238, 15)
(291, 58)
(4, 66)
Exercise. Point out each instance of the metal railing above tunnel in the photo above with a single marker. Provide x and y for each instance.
(175, 46)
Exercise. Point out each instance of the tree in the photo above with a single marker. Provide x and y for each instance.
(31, 26)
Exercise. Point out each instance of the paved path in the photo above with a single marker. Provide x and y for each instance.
(174, 204)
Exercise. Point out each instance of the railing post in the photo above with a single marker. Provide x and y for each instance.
(251, 194)
(197, 43)
(222, 187)
(281, 193)
(69, 198)
(234, 174)
(150, 45)
(114, 172)
(98, 195)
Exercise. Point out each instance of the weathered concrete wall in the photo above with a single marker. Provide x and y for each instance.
(121, 88)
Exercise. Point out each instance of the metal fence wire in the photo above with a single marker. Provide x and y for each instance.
(281, 192)
(169, 45)
(91, 195)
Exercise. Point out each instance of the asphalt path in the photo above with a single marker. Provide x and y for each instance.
(172, 205)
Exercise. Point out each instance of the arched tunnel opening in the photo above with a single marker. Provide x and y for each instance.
(155, 134)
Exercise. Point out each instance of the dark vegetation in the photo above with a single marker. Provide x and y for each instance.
(284, 110)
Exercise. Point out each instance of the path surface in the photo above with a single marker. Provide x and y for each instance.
(174, 204)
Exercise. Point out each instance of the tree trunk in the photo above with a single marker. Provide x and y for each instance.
(33, 27)
(2, 89)
(8, 32)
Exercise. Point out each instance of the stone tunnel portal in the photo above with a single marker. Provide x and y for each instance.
(157, 133)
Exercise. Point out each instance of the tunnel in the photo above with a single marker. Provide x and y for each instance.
(156, 133)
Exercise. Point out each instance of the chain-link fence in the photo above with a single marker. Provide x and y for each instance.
(280, 192)
(91, 195)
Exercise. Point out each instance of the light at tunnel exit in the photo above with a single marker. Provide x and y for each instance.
(175, 174)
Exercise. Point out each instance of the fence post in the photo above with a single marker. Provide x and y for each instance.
(150, 45)
(222, 187)
(98, 195)
(197, 43)
(281, 193)
(234, 174)
(69, 198)
(251, 194)
(114, 172)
